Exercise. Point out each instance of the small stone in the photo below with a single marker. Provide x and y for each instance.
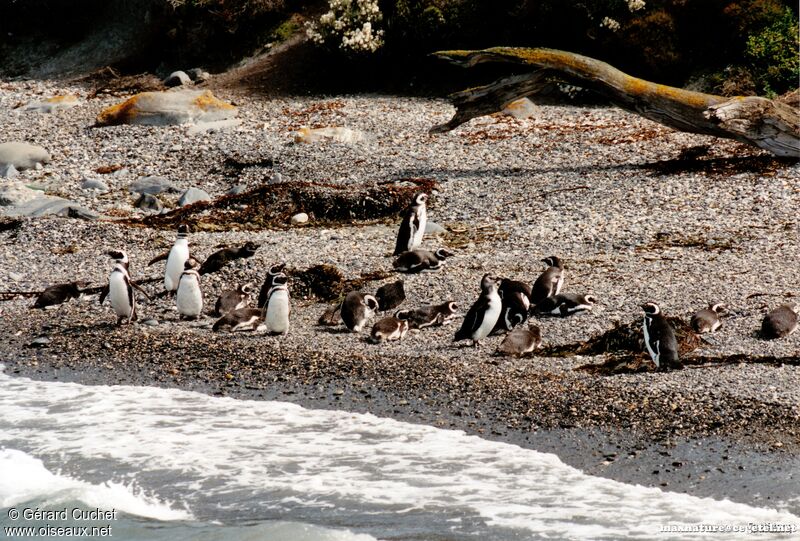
(94, 184)
(23, 155)
(7, 170)
(299, 218)
(15, 276)
(403, 403)
(150, 322)
(177, 78)
(338, 392)
(152, 185)
(40, 342)
(148, 201)
(276, 178)
(236, 190)
(193, 195)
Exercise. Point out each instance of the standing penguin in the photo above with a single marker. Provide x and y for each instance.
(707, 320)
(659, 338)
(516, 302)
(232, 299)
(120, 289)
(276, 314)
(412, 228)
(189, 297)
(357, 308)
(482, 316)
(176, 259)
(549, 282)
(781, 322)
(272, 272)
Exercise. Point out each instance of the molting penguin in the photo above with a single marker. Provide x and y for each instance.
(390, 295)
(420, 260)
(120, 289)
(659, 338)
(357, 309)
(189, 297)
(565, 304)
(242, 319)
(220, 258)
(482, 316)
(389, 328)
(520, 342)
(59, 294)
(430, 315)
(272, 272)
(707, 320)
(233, 299)
(176, 259)
(516, 302)
(781, 322)
(412, 228)
(276, 314)
(550, 282)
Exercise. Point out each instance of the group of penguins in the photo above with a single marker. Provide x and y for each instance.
(502, 306)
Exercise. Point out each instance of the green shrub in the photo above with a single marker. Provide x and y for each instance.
(773, 53)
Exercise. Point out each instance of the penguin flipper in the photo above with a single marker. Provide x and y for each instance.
(103, 294)
(158, 258)
(142, 291)
(473, 319)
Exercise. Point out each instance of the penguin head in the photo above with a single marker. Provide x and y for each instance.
(276, 269)
(371, 302)
(552, 261)
(190, 264)
(453, 307)
(442, 254)
(118, 256)
(403, 314)
(590, 299)
(279, 279)
(183, 230)
(246, 289)
(651, 308)
(420, 198)
(793, 306)
(250, 247)
(717, 308)
(488, 283)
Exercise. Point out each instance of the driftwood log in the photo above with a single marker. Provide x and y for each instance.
(768, 124)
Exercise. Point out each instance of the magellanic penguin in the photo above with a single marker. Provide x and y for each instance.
(659, 338)
(430, 315)
(564, 304)
(272, 272)
(781, 322)
(390, 295)
(420, 260)
(189, 297)
(707, 320)
(242, 319)
(176, 259)
(389, 328)
(120, 289)
(482, 316)
(516, 302)
(59, 294)
(233, 299)
(220, 258)
(521, 342)
(357, 308)
(412, 228)
(276, 314)
(550, 282)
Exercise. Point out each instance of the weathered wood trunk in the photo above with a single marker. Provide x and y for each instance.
(767, 124)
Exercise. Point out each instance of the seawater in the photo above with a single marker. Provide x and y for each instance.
(177, 465)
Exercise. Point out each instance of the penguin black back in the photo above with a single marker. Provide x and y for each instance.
(659, 338)
(390, 295)
(220, 258)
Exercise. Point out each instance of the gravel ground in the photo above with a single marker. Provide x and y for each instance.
(602, 189)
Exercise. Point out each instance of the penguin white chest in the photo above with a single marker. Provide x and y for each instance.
(652, 348)
(121, 301)
(490, 317)
(416, 241)
(277, 317)
(189, 297)
(177, 257)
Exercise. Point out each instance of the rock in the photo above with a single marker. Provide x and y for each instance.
(432, 228)
(16, 193)
(299, 218)
(150, 322)
(40, 342)
(521, 108)
(15, 276)
(148, 201)
(152, 185)
(167, 108)
(178, 78)
(338, 134)
(22, 155)
(193, 195)
(94, 184)
(236, 190)
(53, 104)
(7, 170)
(277, 178)
(19, 200)
(216, 126)
(198, 75)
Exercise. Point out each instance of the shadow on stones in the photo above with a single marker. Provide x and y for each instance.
(273, 205)
(689, 162)
(327, 283)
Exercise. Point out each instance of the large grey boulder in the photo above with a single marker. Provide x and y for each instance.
(193, 195)
(152, 185)
(19, 200)
(22, 155)
(7, 170)
(94, 184)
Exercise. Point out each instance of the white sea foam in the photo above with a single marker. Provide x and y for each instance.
(24, 478)
(337, 459)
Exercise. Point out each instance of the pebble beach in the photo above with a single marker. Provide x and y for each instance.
(638, 212)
